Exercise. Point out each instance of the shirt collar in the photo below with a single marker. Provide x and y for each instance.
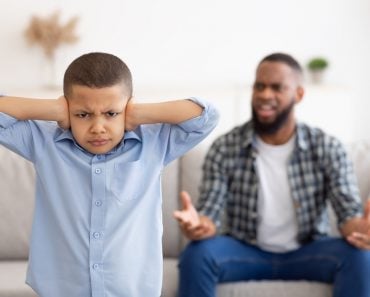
(302, 139)
(248, 135)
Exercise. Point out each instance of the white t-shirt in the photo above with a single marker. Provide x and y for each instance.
(277, 223)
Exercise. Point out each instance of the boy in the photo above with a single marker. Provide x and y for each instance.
(97, 222)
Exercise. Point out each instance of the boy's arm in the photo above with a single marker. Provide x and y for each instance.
(171, 112)
(36, 109)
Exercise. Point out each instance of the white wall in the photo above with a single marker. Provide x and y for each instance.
(210, 44)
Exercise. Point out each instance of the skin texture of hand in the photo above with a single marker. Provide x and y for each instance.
(130, 118)
(194, 226)
(170, 112)
(64, 122)
(361, 237)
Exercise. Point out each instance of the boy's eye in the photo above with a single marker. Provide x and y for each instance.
(111, 114)
(82, 115)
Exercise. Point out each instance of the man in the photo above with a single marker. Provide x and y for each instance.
(269, 181)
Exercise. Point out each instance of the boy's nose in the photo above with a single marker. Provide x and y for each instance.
(98, 127)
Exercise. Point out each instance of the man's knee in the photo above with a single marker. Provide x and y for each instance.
(197, 253)
(358, 258)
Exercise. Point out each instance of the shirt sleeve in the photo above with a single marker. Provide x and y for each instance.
(214, 185)
(16, 136)
(342, 184)
(184, 136)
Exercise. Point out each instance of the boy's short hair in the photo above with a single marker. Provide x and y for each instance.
(97, 70)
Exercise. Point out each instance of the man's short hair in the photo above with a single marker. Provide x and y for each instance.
(283, 58)
(97, 70)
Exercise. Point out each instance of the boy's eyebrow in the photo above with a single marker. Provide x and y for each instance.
(81, 111)
(110, 109)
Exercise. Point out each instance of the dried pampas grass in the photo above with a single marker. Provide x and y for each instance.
(50, 34)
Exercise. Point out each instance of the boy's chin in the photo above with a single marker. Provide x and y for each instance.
(99, 150)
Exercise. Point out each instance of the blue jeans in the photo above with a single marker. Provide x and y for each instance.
(205, 263)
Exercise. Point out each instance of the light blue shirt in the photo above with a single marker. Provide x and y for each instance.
(97, 227)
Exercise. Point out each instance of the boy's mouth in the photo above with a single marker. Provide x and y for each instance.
(98, 142)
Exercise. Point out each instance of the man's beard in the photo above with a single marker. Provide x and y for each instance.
(271, 128)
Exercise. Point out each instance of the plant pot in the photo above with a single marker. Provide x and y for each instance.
(317, 76)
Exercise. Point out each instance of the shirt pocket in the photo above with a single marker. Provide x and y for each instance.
(125, 182)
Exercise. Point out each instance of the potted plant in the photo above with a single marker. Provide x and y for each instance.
(316, 67)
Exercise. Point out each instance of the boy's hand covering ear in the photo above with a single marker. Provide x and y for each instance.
(130, 123)
(64, 121)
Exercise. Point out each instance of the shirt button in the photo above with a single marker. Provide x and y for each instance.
(98, 203)
(99, 157)
(97, 170)
(95, 266)
(96, 235)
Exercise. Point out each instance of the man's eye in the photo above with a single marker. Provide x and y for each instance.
(259, 86)
(277, 87)
(112, 114)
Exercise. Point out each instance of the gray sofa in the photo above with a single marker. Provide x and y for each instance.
(16, 205)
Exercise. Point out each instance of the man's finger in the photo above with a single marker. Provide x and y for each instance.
(178, 215)
(185, 200)
(359, 243)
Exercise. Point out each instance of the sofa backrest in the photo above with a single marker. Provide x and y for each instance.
(17, 189)
(359, 153)
(17, 195)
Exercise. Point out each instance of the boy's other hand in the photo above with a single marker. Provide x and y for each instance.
(63, 120)
(194, 227)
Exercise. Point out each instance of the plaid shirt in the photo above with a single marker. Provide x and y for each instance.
(318, 171)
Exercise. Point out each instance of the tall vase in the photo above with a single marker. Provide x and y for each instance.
(50, 73)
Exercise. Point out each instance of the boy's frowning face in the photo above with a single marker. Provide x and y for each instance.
(97, 116)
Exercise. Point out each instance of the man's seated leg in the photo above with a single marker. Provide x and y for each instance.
(329, 260)
(205, 263)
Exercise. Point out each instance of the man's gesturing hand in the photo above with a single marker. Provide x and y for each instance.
(194, 226)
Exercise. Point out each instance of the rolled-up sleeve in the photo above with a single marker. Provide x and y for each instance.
(184, 136)
(208, 118)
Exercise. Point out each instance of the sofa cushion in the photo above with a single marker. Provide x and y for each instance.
(171, 232)
(274, 288)
(12, 279)
(16, 204)
(250, 288)
(170, 277)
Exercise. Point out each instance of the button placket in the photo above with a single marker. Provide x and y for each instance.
(98, 209)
